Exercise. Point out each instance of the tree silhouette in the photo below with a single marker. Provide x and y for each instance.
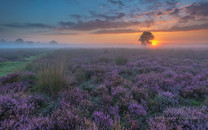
(19, 40)
(146, 37)
(53, 42)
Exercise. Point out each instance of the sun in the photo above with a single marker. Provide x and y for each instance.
(154, 42)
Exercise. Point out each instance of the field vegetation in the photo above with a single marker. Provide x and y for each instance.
(108, 89)
(16, 59)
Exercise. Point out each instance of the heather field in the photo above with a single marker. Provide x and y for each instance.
(105, 89)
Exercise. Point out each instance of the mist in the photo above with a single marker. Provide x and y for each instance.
(14, 45)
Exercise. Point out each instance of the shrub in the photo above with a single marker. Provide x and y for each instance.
(64, 118)
(15, 87)
(10, 78)
(139, 93)
(181, 118)
(86, 104)
(16, 111)
(102, 120)
(114, 111)
(80, 76)
(100, 90)
(51, 80)
(106, 100)
(159, 103)
(103, 59)
(74, 96)
(121, 61)
(118, 91)
(137, 110)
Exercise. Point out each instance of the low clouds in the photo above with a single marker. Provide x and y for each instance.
(76, 16)
(198, 9)
(97, 24)
(117, 2)
(116, 31)
(195, 12)
(117, 16)
(28, 25)
(190, 27)
(171, 29)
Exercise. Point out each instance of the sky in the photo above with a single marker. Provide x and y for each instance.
(104, 21)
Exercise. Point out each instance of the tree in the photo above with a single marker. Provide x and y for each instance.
(146, 37)
(19, 40)
(53, 42)
(2, 41)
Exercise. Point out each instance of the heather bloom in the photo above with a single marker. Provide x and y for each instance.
(106, 99)
(74, 96)
(10, 78)
(16, 111)
(170, 96)
(118, 91)
(65, 119)
(102, 120)
(114, 110)
(101, 89)
(153, 90)
(15, 87)
(40, 123)
(185, 117)
(7, 103)
(137, 110)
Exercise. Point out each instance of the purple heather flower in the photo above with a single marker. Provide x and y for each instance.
(102, 120)
(136, 109)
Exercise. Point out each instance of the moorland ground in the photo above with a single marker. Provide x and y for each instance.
(106, 89)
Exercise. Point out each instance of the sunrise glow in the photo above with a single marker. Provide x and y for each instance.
(154, 42)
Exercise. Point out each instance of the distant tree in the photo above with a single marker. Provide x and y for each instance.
(53, 42)
(30, 42)
(19, 40)
(146, 37)
(2, 41)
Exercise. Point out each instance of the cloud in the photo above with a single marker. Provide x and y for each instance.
(60, 33)
(195, 12)
(107, 17)
(171, 12)
(148, 1)
(198, 9)
(99, 24)
(76, 16)
(190, 27)
(172, 3)
(117, 2)
(27, 25)
(186, 18)
(177, 28)
(116, 31)
(172, 29)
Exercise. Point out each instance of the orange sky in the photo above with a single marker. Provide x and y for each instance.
(164, 38)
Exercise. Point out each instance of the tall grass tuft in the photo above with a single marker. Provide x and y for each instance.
(121, 61)
(51, 79)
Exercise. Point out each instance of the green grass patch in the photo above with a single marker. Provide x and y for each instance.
(12, 66)
(195, 103)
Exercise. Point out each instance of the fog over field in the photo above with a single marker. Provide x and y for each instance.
(13, 45)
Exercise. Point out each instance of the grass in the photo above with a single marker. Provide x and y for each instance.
(51, 80)
(12, 66)
(121, 61)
